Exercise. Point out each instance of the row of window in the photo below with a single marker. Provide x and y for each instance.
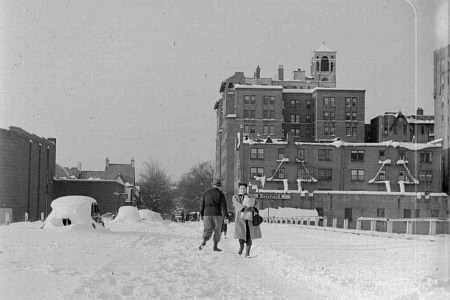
(381, 213)
(251, 100)
(295, 118)
(266, 114)
(326, 174)
(267, 129)
(331, 101)
(355, 155)
(297, 103)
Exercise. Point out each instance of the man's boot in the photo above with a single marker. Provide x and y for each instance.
(202, 245)
(241, 246)
(247, 250)
(215, 246)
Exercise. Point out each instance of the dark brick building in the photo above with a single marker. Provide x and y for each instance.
(27, 164)
(106, 192)
(403, 128)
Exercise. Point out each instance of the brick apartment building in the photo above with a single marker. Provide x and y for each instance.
(27, 164)
(307, 108)
(402, 128)
(441, 93)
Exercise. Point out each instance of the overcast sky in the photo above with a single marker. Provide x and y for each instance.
(124, 79)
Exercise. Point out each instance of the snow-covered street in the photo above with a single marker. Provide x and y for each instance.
(160, 260)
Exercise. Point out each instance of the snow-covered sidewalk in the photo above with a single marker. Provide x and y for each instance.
(160, 260)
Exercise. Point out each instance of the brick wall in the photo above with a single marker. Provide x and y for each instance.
(101, 190)
(27, 162)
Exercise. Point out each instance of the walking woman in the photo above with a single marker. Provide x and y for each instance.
(244, 230)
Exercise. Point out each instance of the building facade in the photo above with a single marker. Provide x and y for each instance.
(402, 128)
(288, 167)
(306, 108)
(27, 164)
(442, 109)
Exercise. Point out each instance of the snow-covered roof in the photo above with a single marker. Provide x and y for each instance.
(336, 89)
(394, 144)
(265, 141)
(258, 86)
(323, 48)
(413, 120)
(297, 91)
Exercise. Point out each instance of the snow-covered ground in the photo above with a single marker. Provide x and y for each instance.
(153, 259)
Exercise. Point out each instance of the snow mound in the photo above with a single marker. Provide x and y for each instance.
(147, 214)
(75, 208)
(288, 212)
(127, 214)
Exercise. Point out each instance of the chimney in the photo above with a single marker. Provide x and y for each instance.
(280, 72)
(132, 162)
(107, 163)
(299, 74)
(258, 72)
(420, 111)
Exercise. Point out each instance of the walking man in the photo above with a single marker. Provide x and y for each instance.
(213, 211)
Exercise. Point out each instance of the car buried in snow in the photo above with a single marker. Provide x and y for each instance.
(75, 211)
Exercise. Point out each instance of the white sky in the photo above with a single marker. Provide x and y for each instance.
(124, 79)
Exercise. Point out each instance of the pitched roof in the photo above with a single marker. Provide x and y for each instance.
(125, 171)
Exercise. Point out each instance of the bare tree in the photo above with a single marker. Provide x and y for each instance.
(193, 184)
(156, 188)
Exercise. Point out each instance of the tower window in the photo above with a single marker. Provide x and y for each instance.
(324, 64)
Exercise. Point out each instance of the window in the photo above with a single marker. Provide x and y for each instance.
(301, 154)
(295, 119)
(252, 99)
(426, 175)
(382, 155)
(380, 212)
(324, 174)
(434, 213)
(266, 100)
(354, 116)
(402, 155)
(426, 157)
(354, 101)
(265, 114)
(348, 116)
(246, 114)
(308, 104)
(271, 114)
(422, 129)
(348, 130)
(357, 175)
(326, 115)
(249, 128)
(407, 213)
(401, 175)
(357, 155)
(348, 213)
(268, 130)
(332, 115)
(308, 118)
(332, 102)
(328, 128)
(354, 130)
(256, 172)
(281, 174)
(252, 114)
(271, 130)
(246, 99)
(404, 129)
(272, 100)
(382, 175)
(326, 101)
(417, 213)
(295, 131)
(324, 154)
(257, 153)
(348, 101)
(280, 153)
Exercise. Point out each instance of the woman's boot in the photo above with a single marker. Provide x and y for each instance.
(247, 250)
(241, 246)
(215, 246)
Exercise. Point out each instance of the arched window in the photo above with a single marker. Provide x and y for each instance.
(324, 79)
(325, 64)
(317, 66)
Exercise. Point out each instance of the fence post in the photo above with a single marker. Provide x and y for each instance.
(26, 217)
(334, 222)
(42, 217)
(7, 219)
(358, 224)
(308, 222)
(432, 228)
(316, 222)
(345, 223)
(373, 225)
(389, 226)
(325, 222)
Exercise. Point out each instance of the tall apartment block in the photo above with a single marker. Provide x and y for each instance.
(306, 108)
(442, 109)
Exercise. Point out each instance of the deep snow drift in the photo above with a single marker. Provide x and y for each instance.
(159, 260)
